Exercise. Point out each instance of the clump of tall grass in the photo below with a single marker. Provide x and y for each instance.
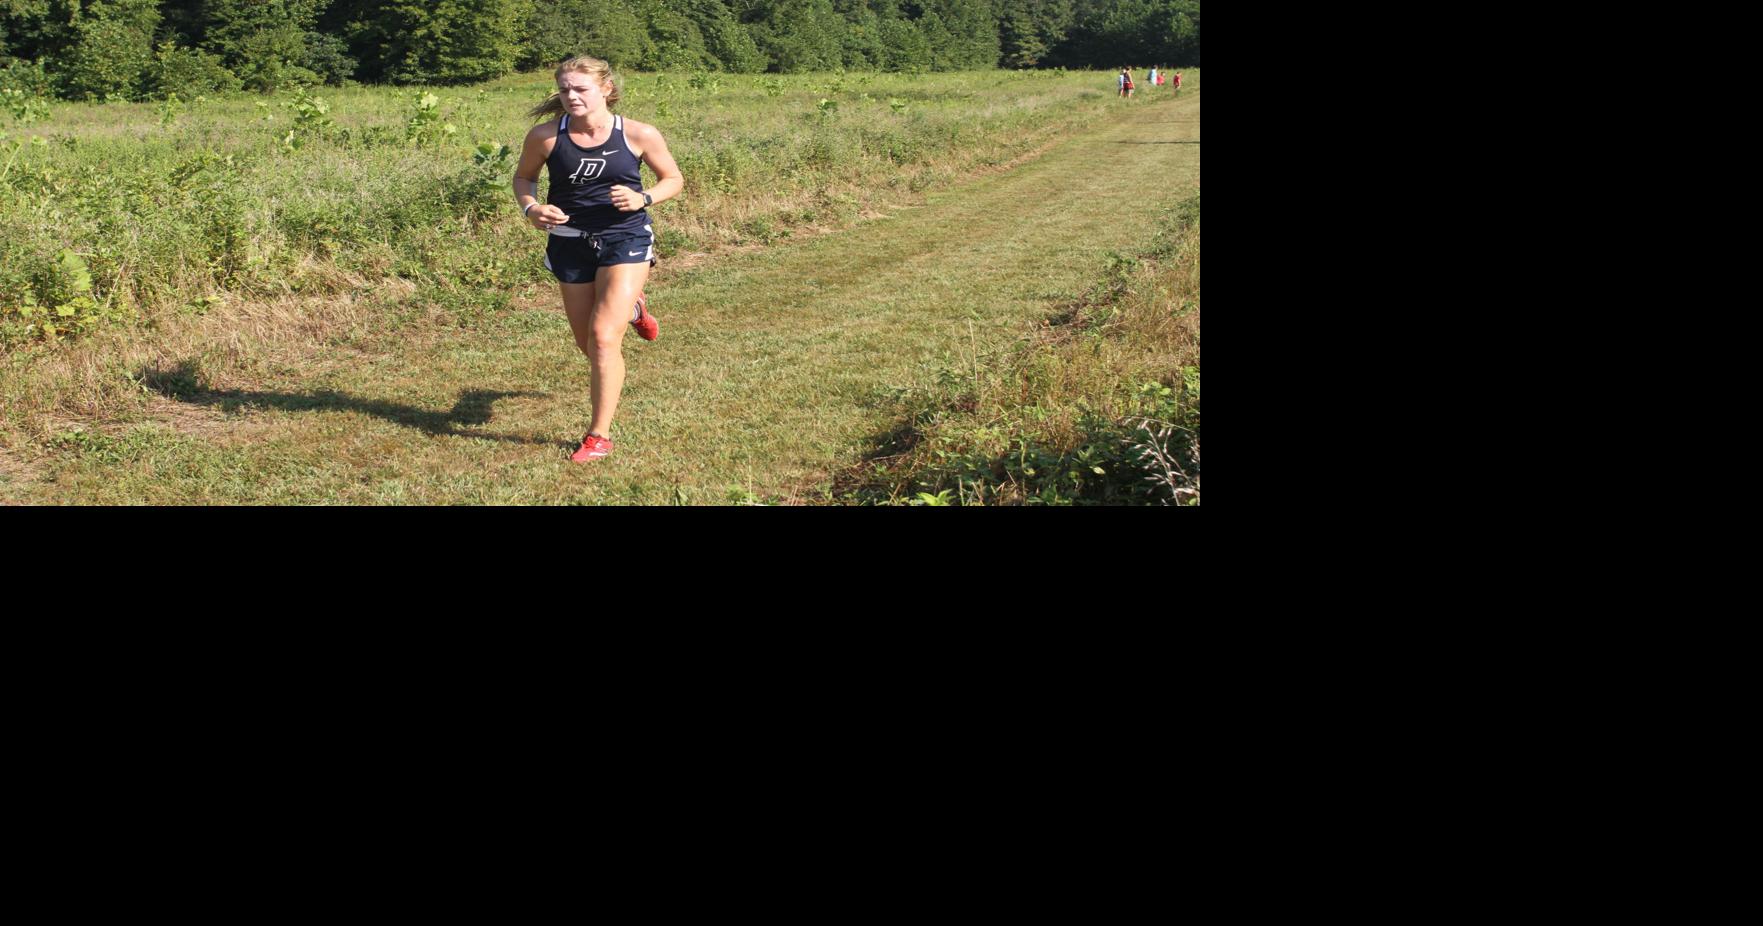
(1101, 405)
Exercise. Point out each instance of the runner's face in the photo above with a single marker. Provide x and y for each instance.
(581, 94)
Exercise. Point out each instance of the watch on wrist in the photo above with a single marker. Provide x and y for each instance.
(648, 200)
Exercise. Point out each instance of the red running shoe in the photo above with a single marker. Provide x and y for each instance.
(593, 447)
(647, 327)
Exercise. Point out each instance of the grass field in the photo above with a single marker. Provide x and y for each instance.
(355, 314)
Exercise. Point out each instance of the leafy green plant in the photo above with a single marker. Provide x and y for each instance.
(59, 302)
(27, 77)
(481, 189)
(312, 119)
(741, 495)
(169, 109)
(24, 106)
(761, 229)
(11, 148)
(225, 228)
(425, 125)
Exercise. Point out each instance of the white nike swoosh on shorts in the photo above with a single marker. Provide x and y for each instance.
(635, 253)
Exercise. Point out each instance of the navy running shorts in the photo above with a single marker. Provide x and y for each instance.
(577, 260)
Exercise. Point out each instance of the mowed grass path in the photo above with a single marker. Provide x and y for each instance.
(766, 381)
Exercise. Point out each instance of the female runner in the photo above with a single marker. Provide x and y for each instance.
(601, 244)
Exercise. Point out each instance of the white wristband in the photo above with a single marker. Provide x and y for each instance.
(529, 206)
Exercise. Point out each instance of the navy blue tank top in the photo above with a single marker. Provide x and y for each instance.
(582, 180)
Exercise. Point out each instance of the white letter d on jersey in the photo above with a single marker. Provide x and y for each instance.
(589, 169)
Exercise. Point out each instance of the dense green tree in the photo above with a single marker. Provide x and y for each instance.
(109, 60)
(437, 41)
(140, 15)
(678, 45)
(797, 35)
(1184, 34)
(1116, 33)
(1029, 30)
(187, 72)
(49, 30)
(98, 49)
(965, 33)
(1021, 45)
(861, 46)
(724, 38)
(936, 38)
(181, 22)
(609, 29)
(105, 48)
(265, 42)
(882, 35)
(327, 56)
(21, 22)
(904, 47)
(268, 43)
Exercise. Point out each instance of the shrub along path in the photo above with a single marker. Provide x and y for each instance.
(771, 373)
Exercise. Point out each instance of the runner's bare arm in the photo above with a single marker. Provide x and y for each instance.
(533, 153)
(646, 143)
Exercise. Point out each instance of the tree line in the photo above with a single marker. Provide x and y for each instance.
(150, 49)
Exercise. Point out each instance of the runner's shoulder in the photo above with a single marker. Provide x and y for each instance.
(544, 133)
(640, 131)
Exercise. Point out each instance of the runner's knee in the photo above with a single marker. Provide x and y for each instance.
(607, 337)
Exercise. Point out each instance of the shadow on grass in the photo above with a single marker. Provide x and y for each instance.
(865, 481)
(1156, 142)
(474, 408)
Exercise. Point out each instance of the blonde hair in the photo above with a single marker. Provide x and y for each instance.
(599, 70)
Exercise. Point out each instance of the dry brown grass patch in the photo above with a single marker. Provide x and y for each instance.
(101, 378)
